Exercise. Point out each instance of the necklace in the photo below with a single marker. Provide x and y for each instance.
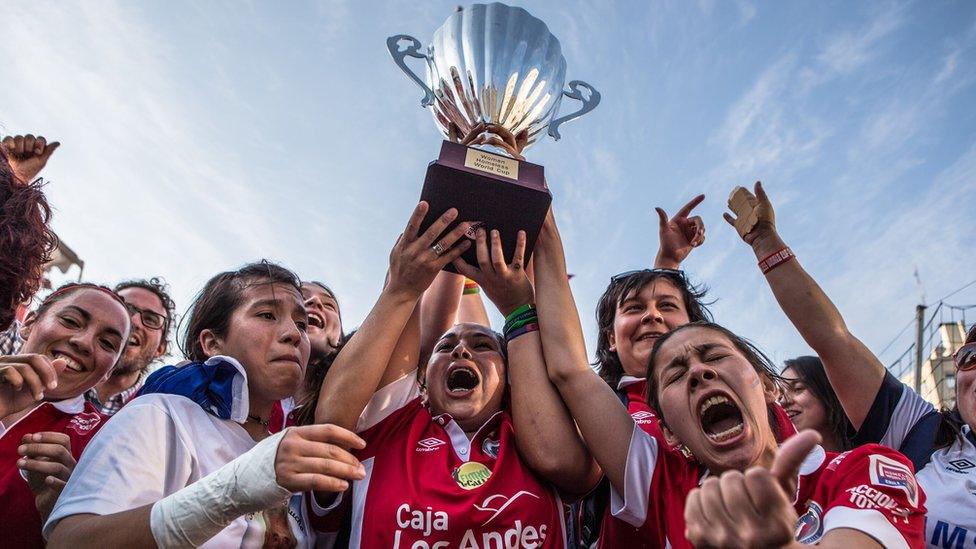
(258, 420)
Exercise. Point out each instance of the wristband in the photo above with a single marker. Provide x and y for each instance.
(520, 317)
(191, 516)
(533, 327)
(775, 259)
(471, 287)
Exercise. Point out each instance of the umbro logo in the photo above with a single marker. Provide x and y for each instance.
(961, 465)
(429, 444)
(643, 416)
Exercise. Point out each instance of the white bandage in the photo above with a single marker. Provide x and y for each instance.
(193, 515)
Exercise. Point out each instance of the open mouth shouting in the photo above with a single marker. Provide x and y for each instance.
(720, 418)
(462, 380)
(316, 320)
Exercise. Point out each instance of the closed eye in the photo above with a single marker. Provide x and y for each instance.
(70, 322)
(267, 315)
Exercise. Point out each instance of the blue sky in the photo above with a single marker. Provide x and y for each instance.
(201, 135)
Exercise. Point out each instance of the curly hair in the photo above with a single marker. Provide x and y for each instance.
(160, 289)
(26, 242)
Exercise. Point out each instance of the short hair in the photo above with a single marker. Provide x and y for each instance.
(221, 296)
(160, 289)
(611, 370)
(25, 238)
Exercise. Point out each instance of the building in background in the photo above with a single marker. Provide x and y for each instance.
(938, 383)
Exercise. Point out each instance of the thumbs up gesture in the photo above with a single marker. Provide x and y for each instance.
(750, 509)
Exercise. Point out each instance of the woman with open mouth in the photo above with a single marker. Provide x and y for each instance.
(70, 344)
(442, 467)
(940, 444)
(715, 394)
(179, 468)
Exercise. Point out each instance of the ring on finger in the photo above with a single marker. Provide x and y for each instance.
(438, 249)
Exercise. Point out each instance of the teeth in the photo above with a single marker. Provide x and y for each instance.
(718, 399)
(726, 434)
(69, 363)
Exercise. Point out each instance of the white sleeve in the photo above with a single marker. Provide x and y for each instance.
(389, 399)
(911, 407)
(134, 460)
(868, 521)
(638, 475)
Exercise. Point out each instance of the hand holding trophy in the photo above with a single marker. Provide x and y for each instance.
(495, 78)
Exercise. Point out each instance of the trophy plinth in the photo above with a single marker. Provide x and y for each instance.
(497, 66)
(493, 190)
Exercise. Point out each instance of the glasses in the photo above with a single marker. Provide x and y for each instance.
(627, 274)
(965, 357)
(150, 319)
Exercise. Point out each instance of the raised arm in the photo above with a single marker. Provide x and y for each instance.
(854, 372)
(678, 235)
(362, 363)
(545, 434)
(604, 423)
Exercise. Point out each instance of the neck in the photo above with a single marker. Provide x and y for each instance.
(260, 409)
(116, 383)
(829, 442)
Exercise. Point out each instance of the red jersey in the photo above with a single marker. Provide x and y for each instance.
(871, 489)
(428, 486)
(74, 417)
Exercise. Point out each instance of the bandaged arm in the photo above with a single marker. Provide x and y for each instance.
(190, 516)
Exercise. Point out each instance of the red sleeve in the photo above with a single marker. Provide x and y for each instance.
(873, 489)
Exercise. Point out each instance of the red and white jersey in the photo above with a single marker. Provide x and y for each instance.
(871, 489)
(428, 486)
(74, 417)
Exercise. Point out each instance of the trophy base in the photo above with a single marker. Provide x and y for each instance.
(502, 193)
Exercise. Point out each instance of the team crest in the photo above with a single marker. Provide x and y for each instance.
(809, 528)
(84, 422)
(888, 472)
(491, 447)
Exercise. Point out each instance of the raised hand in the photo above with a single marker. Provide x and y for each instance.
(679, 235)
(316, 457)
(28, 154)
(47, 463)
(24, 378)
(751, 509)
(754, 217)
(417, 258)
(506, 285)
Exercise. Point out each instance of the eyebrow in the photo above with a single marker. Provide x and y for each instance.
(88, 316)
(682, 360)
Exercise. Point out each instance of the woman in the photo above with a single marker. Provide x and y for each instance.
(941, 445)
(163, 471)
(811, 403)
(442, 467)
(70, 344)
(715, 394)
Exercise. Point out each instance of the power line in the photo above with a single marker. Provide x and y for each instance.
(959, 290)
(892, 342)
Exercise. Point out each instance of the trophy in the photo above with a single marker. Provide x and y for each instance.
(495, 77)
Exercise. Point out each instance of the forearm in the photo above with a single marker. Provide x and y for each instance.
(472, 309)
(854, 372)
(357, 371)
(126, 529)
(438, 309)
(545, 433)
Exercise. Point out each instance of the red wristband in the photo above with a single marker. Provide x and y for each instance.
(775, 259)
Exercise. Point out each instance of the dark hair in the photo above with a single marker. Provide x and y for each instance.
(157, 286)
(314, 377)
(810, 371)
(329, 291)
(499, 338)
(951, 422)
(26, 242)
(221, 296)
(611, 369)
(759, 361)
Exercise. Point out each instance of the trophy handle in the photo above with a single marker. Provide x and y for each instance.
(399, 57)
(588, 105)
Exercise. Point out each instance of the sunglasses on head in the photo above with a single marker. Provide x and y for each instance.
(627, 274)
(965, 357)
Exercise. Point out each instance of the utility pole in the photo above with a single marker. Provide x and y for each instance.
(919, 328)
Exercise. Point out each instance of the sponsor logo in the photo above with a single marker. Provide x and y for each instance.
(84, 422)
(867, 497)
(421, 522)
(502, 503)
(429, 444)
(471, 475)
(890, 473)
(491, 447)
(643, 416)
(961, 466)
(809, 528)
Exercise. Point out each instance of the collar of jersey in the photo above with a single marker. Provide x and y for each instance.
(74, 405)
(459, 440)
(628, 380)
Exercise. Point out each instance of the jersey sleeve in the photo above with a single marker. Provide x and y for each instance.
(127, 464)
(389, 399)
(642, 458)
(895, 412)
(873, 489)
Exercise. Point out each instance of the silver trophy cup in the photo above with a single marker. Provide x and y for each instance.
(494, 64)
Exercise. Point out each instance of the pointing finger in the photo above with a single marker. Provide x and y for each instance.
(686, 209)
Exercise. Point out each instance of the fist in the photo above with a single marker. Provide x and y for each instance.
(28, 154)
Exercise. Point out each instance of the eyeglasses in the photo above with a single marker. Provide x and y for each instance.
(627, 274)
(965, 357)
(150, 319)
